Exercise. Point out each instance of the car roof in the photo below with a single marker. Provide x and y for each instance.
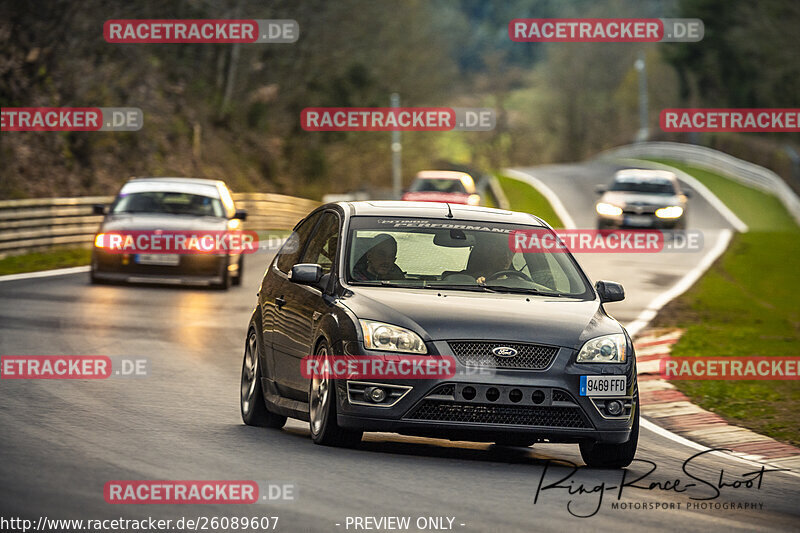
(201, 187)
(394, 208)
(645, 174)
(441, 175)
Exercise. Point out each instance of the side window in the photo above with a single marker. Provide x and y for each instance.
(289, 254)
(322, 246)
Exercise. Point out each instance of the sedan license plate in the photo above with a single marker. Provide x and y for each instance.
(638, 220)
(603, 385)
(158, 259)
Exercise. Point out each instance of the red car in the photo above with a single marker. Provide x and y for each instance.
(443, 186)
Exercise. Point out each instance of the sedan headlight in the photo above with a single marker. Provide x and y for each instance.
(673, 211)
(605, 349)
(386, 337)
(608, 209)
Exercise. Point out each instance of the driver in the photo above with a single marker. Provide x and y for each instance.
(377, 263)
(488, 258)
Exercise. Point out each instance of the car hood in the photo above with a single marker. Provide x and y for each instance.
(147, 222)
(461, 315)
(622, 199)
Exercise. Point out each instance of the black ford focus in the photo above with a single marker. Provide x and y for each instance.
(537, 358)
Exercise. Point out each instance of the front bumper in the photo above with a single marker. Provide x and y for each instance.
(638, 221)
(440, 408)
(199, 269)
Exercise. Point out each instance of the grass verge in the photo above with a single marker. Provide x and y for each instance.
(37, 261)
(526, 199)
(747, 304)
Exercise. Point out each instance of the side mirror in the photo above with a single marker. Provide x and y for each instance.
(240, 214)
(600, 189)
(99, 209)
(687, 194)
(609, 291)
(306, 274)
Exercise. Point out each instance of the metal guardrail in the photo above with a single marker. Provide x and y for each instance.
(40, 224)
(738, 170)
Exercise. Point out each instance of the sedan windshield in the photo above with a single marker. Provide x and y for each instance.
(454, 254)
(644, 186)
(165, 202)
(438, 185)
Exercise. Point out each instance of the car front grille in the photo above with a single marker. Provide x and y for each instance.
(479, 354)
(470, 413)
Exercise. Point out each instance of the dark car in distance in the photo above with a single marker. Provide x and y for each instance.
(169, 205)
(642, 198)
(537, 356)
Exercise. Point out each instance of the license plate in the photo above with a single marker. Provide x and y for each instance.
(158, 259)
(603, 385)
(638, 220)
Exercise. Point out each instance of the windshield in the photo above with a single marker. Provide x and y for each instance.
(649, 186)
(165, 202)
(453, 254)
(438, 185)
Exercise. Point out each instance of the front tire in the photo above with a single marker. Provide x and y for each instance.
(251, 398)
(607, 455)
(322, 411)
(237, 281)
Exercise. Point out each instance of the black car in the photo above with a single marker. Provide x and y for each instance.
(538, 359)
(642, 198)
(170, 205)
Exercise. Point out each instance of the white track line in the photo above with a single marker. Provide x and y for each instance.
(547, 192)
(682, 285)
(45, 273)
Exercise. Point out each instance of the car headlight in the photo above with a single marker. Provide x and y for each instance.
(608, 209)
(605, 349)
(386, 337)
(673, 211)
(474, 199)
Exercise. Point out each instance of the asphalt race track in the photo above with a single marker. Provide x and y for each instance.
(61, 441)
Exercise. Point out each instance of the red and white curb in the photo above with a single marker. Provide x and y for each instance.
(670, 409)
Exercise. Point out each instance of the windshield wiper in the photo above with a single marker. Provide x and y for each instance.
(473, 288)
(522, 290)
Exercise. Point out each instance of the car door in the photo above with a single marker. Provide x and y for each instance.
(297, 317)
(272, 296)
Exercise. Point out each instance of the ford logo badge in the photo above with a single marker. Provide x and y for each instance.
(504, 351)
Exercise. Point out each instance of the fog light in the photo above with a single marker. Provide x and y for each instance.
(468, 393)
(537, 397)
(614, 407)
(492, 394)
(376, 394)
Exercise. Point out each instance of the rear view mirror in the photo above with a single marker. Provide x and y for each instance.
(306, 274)
(99, 209)
(609, 291)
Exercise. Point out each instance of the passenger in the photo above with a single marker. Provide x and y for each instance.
(378, 262)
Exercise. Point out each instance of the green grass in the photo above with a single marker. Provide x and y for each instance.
(759, 210)
(747, 304)
(45, 261)
(522, 197)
